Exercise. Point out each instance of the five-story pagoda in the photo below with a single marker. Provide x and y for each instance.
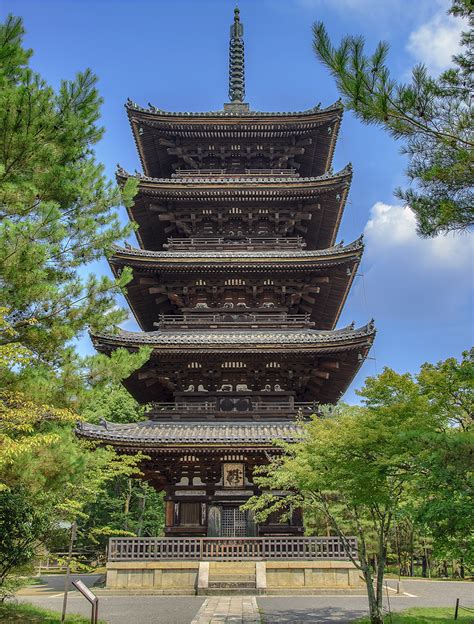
(237, 285)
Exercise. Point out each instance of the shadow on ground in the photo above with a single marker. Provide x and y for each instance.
(322, 614)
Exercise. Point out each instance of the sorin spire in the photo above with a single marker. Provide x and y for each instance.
(236, 60)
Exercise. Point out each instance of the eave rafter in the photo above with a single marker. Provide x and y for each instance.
(157, 131)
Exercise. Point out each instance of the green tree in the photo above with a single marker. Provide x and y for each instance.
(57, 210)
(432, 117)
(128, 506)
(370, 469)
(446, 485)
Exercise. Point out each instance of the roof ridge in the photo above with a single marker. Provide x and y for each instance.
(338, 248)
(130, 105)
(328, 175)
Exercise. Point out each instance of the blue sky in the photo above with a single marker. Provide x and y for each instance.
(173, 53)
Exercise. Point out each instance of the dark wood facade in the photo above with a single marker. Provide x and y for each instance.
(237, 286)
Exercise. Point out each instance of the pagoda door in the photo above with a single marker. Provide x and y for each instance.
(233, 522)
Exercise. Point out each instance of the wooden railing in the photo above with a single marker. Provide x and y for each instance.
(228, 548)
(235, 317)
(181, 173)
(280, 242)
(257, 407)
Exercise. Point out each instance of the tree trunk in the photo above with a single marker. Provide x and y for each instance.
(126, 509)
(375, 610)
(142, 505)
(424, 566)
(412, 553)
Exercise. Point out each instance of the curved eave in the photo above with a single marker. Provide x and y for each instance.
(205, 435)
(324, 197)
(195, 186)
(206, 342)
(227, 125)
(226, 116)
(240, 261)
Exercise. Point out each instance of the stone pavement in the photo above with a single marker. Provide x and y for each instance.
(227, 610)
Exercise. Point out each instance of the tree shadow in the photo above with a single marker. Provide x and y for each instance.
(313, 614)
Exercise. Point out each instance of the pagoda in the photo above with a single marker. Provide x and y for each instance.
(238, 285)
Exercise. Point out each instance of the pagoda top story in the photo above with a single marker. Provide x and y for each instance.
(168, 141)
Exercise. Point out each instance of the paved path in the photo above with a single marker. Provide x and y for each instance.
(345, 609)
(274, 609)
(227, 610)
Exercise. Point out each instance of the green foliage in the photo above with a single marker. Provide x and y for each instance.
(114, 404)
(57, 210)
(57, 215)
(22, 526)
(402, 460)
(29, 614)
(128, 506)
(432, 116)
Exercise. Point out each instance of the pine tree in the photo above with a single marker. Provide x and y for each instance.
(431, 116)
(57, 209)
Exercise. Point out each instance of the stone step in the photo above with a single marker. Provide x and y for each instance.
(232, 577)
(231, 584)
(236, 591)
(232, 570)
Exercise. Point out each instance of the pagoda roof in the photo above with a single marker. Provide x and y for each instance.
(197, 260)
(234, 113)
(153, 129)
(317, 202)
(303, 351)
(212, 341)
(197, 183)
(340, 262)
(150, 434)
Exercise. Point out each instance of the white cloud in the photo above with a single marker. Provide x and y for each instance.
(436, 41)
(391, 230)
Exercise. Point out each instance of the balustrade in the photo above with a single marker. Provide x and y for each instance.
(216, 243)
(285, 408)
(229, 548)
(232, 318)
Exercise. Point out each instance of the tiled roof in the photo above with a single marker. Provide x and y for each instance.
(199, 338)
(133, 106)
(193, 181)
(293, 254)
(150, 433)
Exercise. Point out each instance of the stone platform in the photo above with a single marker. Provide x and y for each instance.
(234, 577)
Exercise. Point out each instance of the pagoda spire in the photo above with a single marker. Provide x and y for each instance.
(236, 60)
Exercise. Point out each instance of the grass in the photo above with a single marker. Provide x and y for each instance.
(28, 614)
(426, 615)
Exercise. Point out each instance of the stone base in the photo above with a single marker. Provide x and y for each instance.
(250, 577)
(163, 577)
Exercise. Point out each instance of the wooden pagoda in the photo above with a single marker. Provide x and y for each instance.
(238, 285)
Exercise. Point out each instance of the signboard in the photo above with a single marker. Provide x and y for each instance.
(91, 597)
(233, 475)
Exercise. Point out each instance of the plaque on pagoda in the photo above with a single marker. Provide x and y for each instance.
(233, 475)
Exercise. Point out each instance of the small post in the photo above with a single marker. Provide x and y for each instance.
(456, 609)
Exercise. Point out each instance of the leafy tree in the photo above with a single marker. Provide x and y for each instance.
(113, 403)
(370, 469)
(128, 506)
(432, 116)
(21, 526)
(446, 485)
(57, 210)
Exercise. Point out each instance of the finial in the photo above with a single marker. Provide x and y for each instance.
(236, 60)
